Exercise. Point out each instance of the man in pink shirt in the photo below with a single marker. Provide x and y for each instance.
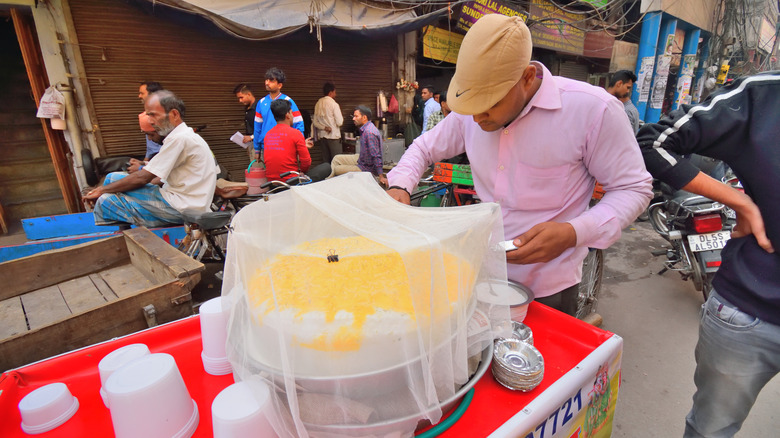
(537, 143)
(285, 148)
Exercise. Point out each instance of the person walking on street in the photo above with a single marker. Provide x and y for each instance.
(431, 106)
(536, 144)
(620, 85)
(264, 119)
(738, 350)
(327, 121)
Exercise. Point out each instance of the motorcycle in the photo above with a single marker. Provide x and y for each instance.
(697, 229)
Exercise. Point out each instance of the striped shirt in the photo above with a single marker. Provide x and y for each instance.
(264, 119)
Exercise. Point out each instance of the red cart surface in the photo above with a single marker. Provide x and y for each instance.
(576, 398)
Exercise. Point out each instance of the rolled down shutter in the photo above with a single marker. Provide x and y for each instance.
(573, 70)
(122, 45)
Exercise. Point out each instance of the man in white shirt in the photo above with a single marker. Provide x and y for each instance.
(431, 106)
(327, 121)
(181, 176)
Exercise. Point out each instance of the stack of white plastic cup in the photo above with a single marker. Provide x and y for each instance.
(47, 408)
(213, 330)
(241, 410)
(115, 360)
(148, 398)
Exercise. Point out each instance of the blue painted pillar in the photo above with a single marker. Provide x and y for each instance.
(703, 63)
(687, 66)
(661, 74)
(651, 26)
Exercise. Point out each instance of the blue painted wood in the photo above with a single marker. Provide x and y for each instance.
(172, 235)
(50, 227)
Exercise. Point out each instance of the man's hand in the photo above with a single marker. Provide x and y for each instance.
(92, 196)
(542, 243)
(134, 165)
(400, 195)
(328, 129)
(247, 139)
(309, 142)
(749, 221)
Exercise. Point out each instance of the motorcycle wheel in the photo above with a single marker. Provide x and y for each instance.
(590, 285)
(701, 280)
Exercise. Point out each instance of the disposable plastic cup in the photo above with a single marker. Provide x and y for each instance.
(47, 408)
(241, 410)
(149, 399)
(213, 330)
(115, 360)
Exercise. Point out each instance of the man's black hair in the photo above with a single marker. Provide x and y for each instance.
(429, 88)
(280, 108)
(243, 88)
(327, 88)
(364, 110)
(623, 76)
(275, 73)
(152, 86)
(442, 96)
(169, 101)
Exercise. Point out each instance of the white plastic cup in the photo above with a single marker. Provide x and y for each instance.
(149, 399)
(47, 408)
(240, 410)
(213, 331)
(115, 360)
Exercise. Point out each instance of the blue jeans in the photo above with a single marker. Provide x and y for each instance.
(737, 354)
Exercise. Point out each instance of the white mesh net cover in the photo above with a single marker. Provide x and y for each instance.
(370, 344)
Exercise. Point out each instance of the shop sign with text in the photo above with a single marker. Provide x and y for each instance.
(470, 12)
(553, 30)
(440, 44)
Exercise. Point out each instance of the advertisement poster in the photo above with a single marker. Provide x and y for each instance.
(440, 44)
(553, 31)
(689, 62)
(588, 410)
(659, 90)
(470, 12)
(683, 90)
(645, 78)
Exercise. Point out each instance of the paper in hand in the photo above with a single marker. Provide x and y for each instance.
(238, 138)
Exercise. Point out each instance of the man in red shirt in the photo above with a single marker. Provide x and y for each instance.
(285, 148)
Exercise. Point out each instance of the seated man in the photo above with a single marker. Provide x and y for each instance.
(181, 176)
(151, 136)
(370, 157)
(285, 148)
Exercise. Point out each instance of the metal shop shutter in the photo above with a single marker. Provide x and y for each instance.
(122, 46)
(573, 70)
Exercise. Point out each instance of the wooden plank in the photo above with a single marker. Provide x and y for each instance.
(126, 280)
(103, 288)
(44, 306)
(81, 294)
(160, 261)
(53, 267)
(114, 319)
(39, 81)
(12, 317)
(63, 225)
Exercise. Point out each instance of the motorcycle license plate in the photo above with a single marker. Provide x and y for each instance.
(709, 241)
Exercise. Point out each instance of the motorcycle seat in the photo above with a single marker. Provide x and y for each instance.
(207, 220)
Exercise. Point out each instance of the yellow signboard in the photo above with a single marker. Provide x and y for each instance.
(441, 45)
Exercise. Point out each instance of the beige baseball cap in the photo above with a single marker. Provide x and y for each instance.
(492, 58)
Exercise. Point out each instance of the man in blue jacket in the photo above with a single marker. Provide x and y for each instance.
(739, 333)
(264, 119)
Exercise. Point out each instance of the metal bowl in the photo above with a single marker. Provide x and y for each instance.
(517, 365)
(408, 422)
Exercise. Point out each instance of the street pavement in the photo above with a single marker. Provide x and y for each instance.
(657, 317)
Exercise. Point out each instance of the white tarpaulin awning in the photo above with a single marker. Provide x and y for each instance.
(266, 19)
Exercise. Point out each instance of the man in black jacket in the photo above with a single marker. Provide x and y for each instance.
(739, 335)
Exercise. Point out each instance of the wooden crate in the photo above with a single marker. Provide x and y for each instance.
(65, 299)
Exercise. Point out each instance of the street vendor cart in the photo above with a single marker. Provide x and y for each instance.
(576, 398)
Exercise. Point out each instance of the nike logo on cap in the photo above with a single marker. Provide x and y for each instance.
(459, 93)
